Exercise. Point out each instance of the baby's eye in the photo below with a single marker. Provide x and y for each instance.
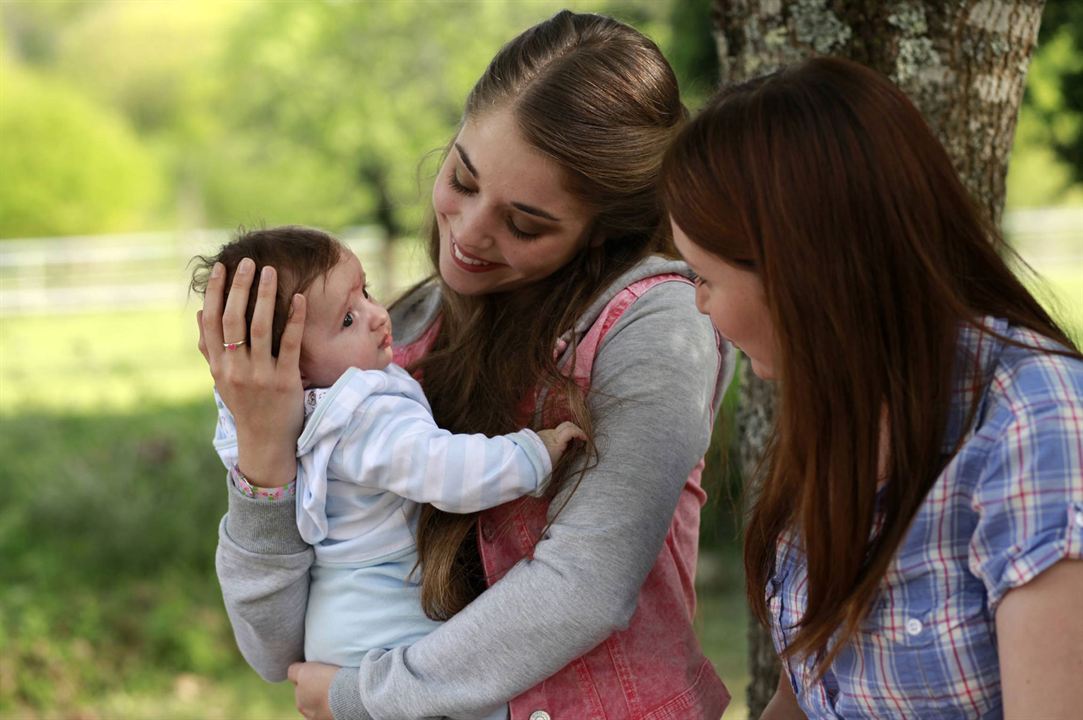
(348, 320)
(365, 292)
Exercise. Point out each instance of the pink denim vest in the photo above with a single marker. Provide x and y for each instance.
(654, 669)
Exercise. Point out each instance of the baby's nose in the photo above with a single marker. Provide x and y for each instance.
(380, 317)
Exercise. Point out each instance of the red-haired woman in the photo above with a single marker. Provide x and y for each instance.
(916, 544)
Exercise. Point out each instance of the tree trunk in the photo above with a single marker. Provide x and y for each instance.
(753, 423)
(964, 65)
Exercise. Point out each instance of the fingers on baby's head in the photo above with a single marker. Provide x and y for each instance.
(298, 255)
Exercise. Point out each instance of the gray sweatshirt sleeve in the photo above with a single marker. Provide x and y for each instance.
(262, 565)
(656, 374)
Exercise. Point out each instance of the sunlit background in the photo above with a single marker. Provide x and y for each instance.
(136, 134)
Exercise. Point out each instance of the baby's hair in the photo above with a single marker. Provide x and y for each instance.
(298, 254)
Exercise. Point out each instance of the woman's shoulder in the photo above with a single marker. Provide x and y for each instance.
(415, 311)
(651, 332)
(1033, 371)
(1031, 384)
(666, 282)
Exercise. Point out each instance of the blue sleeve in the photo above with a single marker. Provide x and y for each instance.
(395, 445)
(1029, 496)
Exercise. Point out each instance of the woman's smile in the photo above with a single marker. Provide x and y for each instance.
(468, 262)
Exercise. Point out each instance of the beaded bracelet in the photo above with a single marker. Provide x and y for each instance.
(261, 493)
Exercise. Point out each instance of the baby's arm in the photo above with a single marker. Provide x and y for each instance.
(557, 439)
(392, 443)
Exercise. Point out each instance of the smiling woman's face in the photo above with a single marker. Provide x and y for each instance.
(504, 215)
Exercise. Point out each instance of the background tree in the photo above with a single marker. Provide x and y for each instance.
(1047, 160)
(1059, 104)
(964, 65)
(67, 166)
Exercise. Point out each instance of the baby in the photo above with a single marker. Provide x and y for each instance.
(370, 453)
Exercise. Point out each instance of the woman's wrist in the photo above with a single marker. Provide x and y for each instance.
(260, 492)
(267, 467)
(268, 481)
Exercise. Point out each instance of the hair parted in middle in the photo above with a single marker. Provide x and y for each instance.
(598, 97)
(826, 181)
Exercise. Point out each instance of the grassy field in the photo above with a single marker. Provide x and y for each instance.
(108, 603)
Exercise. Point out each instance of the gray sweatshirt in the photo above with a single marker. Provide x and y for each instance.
(657, 377)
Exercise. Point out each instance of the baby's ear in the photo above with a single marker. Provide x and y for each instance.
(305, 380)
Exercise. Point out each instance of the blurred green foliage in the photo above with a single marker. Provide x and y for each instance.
(1058, 99)
(262, 112)
(1047, 159)
(134, 116)
(67, 164)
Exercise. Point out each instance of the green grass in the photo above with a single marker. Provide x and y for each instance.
(102, 361)
(110, 605)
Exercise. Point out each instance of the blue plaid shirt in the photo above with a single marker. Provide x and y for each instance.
(1006, 507)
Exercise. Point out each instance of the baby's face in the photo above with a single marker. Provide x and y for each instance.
(344, 327)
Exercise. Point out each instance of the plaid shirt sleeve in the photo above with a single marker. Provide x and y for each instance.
(1029, 497)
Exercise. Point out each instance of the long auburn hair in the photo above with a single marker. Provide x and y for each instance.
(873, 256)
(599, 98)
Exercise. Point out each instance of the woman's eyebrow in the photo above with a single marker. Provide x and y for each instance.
(528, 209)
(466, 161)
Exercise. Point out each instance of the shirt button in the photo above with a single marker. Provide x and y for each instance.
(539, 715)
(914, 626)
(1079, 518)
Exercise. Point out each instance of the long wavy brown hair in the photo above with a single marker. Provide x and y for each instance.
(873, 256)
(600, 99)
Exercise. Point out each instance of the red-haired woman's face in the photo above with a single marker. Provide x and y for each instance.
(735, 301)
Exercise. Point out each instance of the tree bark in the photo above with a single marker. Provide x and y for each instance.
(962, 62)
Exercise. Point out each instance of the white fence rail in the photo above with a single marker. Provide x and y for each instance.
(139, 271)
(118, 272)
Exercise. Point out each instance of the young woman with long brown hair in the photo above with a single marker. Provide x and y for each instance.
(915, 545)
(553, 298)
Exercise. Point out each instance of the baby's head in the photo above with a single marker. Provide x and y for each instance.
(344, 327)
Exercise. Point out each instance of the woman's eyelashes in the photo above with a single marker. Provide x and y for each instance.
(521, 234)
(457, 186)
(517, 232)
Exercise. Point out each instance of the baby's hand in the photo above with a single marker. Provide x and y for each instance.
(556, 439)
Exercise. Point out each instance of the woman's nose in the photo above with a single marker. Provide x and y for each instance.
(474, 231)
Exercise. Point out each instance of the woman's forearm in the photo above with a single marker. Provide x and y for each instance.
(263, 565)
(1039, 635)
